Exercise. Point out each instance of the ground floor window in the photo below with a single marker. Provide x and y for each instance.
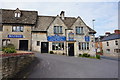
(5, 42)
(107, 50)
(117, 50)
(83, 45)
(57, 46)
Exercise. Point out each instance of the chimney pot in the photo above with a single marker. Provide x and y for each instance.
(117, 31)
(62, 14)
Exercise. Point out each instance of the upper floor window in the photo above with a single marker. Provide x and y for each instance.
(17, 14)
(57, 29)
(17, 29)
(116, 42)
(107, 43)
(79, 30)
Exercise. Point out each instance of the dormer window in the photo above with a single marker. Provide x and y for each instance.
(17, 13)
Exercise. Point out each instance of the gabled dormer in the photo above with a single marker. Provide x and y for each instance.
(17, 13)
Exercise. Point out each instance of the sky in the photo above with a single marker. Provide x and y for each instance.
(104, 12)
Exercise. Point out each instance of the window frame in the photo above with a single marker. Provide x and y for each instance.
(58, 30)
(79, 30)
(17, 28)
(60, 44)
(83, 45)
(38, 43)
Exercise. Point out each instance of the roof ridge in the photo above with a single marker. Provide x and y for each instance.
(20, 10)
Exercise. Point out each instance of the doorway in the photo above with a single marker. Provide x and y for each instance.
(71, 49)
(44, 47)
(23, 44)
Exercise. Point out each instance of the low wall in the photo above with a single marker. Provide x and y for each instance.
(12, 64)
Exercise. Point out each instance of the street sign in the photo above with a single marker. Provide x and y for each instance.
(15, 36)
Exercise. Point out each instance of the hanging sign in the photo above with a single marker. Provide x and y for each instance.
(71, 36)
(87, 38)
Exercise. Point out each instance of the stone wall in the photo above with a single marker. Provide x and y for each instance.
(12, 65)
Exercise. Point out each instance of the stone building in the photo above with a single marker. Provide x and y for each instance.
(60, 34)
(111, 44)
(17, 26)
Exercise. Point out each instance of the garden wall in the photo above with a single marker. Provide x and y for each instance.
(12, 64)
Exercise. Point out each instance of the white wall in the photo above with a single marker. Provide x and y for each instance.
(111, 46)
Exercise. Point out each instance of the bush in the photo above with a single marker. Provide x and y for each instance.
(51, 52)
(63, 54)
(10, 48)
(86, 55)
(80, 55)
(98, 56)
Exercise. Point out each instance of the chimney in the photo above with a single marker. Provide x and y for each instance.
(107, 33)
(62, 15)
(117, 31)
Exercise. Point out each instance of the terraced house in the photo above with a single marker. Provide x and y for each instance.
(60, 34)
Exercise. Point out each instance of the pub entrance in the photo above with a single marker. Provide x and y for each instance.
(44, 47)
(71, 49)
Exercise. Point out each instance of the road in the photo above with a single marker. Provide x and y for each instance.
(59, 66)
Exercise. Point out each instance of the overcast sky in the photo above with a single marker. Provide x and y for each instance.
(104, 13)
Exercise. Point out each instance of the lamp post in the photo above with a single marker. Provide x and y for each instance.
(93, 35)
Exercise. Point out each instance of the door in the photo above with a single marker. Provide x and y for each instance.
(71, 49)
(23, 45)
(44, 47)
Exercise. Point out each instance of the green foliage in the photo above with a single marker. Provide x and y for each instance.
(10, 48)
(86, 55)
(98, 56)
(51, 52)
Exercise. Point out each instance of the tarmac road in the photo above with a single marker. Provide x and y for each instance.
(59, 66)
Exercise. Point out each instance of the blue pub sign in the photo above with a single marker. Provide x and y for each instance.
(56, 38)
(87, 38)
(15, 36)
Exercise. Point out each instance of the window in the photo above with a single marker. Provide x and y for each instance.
(1, 27)
(5, 42)
(117, 50)
(116, 42)
(79, 30)
(17, 14)
(108, 50)
(83, 45)
(38, 43)
(17, 29)
(57, 46)
(107, 43)
(57, 29)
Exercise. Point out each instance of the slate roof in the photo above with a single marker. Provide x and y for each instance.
(27, 17)
(111, 37)
(43, 22)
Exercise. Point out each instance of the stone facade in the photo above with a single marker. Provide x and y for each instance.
(0, 39)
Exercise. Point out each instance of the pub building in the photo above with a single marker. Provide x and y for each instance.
(60, 34)
(29, 31)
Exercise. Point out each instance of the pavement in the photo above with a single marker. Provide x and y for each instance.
(60, 66)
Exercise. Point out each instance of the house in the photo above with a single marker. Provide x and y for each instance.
(16, 27)
(62, 35)
(111, 44)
